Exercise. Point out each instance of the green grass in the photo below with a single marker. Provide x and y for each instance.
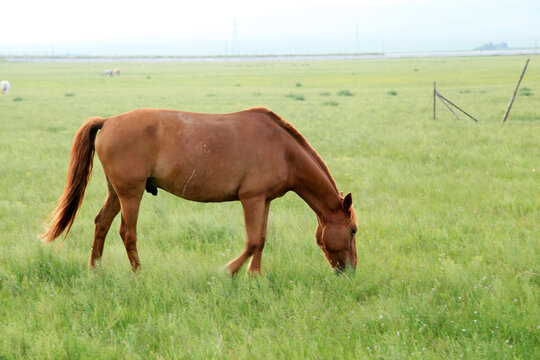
(525, 92)
(448, 241)
(345, 93)
(297, 97)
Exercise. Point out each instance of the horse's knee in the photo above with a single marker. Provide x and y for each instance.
(129, 236)
(255, 245)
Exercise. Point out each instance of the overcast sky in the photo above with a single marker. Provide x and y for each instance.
(357, 25)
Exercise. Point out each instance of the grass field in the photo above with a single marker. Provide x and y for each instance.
(449, 212)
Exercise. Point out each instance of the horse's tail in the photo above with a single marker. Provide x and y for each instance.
(79, 171)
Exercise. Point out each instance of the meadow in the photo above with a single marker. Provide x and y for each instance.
(449, 212)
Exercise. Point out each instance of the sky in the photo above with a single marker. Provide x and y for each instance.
(210, 27)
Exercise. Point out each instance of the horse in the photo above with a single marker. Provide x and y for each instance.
(116, 72)
(252, 156)
(4, 87)
(107, 72)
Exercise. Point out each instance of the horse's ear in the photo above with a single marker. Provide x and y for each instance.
(347, 202)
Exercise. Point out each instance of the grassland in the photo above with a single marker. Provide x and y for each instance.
(449, 211)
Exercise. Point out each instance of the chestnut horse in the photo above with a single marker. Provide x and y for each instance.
(253, 156)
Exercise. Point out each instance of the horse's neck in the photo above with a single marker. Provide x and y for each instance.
(314, 186)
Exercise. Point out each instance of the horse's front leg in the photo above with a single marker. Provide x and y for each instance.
(255, 218)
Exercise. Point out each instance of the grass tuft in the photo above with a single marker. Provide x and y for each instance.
(525, 92)
(297, 97)
(345, 93)
(330, 103)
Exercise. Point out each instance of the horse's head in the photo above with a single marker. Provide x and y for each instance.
(336, 236)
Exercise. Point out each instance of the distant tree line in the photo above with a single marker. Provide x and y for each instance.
(492, 46)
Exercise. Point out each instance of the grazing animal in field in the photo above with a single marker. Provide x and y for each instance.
(4, 87)
(116, 72)
(253, 156)
(107, 72)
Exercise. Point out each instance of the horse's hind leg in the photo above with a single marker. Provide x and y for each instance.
(103, 221)
(128, 227)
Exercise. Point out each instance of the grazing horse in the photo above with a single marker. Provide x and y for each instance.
(116, 72)
(107, 72)
(4, 87)
(253, 156)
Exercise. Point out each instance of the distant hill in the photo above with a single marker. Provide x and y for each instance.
(492, 46)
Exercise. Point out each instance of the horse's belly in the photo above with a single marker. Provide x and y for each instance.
(199, 183)
(217, 182)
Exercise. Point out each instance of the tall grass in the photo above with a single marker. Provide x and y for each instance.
(448, 237)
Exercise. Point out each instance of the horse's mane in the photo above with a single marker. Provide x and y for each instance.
(301, 139)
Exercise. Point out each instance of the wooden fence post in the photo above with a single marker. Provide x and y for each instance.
(457, 107)
(514, 95)
(448, 106)
(434, 97)
(447, 103)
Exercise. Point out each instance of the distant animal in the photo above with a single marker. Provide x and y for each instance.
(4, 87)
(107, 72)
(116, 72)
(253, 156)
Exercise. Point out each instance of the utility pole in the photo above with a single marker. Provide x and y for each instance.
(357, 38)
(235, 39)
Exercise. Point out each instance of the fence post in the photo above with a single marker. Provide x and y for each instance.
(434, 97)
(515, 92)
(448, 106)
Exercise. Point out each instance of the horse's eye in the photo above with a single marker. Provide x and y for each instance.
(353, 231)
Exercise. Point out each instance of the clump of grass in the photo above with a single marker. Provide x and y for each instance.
(257, 93)
(330, 103)
(525, 92)
(69, 94)
(238, 85)
(18, 98)
(298, 85)
(416, 70)
(392, 92)
(211, 95)
(55, 129)
(148, 77)
(345, 93)
(466, 91)
(297, 97)
(325, 93)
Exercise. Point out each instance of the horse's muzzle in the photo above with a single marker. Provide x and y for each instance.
(345, 269)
